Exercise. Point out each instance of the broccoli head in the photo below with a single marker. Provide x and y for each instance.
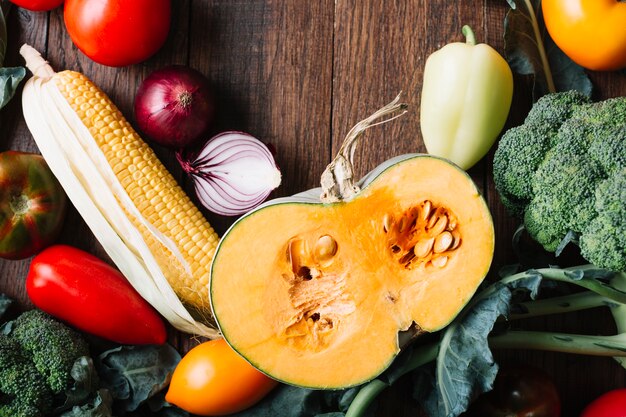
(23, 393)
(521, 149)
(52, 346)
(561, 172)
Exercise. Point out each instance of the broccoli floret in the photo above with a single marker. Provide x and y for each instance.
(521, 149)
(604, 238)
(552, 110)
(553, 170)
(520, 152)
(611, 112)
(610, 154)
(23, 393)
(53, 347)
(566, 182)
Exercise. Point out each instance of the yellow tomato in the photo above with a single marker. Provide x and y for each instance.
(213, 380)
(591, 32)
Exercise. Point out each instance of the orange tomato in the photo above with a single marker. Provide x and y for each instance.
(591, 32)
(213, 380)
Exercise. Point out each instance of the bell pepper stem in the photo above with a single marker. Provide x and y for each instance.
(470, 38)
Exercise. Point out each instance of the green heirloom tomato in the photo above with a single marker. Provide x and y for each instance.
(32, 205)
(466, 97)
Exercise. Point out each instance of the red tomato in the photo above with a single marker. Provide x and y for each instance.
(213, 380)
(118, 32)
(32, 205)
(38, 5)
(91, 295)
(610, 404)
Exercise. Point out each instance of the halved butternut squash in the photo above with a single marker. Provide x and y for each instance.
(315, 293)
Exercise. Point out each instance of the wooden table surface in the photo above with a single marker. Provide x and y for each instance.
(298, 74)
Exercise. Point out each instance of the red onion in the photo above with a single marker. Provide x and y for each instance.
(174, 106)
(233, 173)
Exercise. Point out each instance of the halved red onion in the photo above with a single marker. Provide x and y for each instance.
(233, 173)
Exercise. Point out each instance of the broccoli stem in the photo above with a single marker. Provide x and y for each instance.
(421, 355)
(612, 296)
(561, 342)
(365, 396)
(566, 275)
(559, 305)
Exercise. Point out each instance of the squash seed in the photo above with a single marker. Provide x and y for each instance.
(298, 252)
(443, 242)
(426, 207)
(436, 215)
(457, 239)
(423, 247)
(325, 248)
(439, 226)
(452, 222)
(440, 261)
(387, 222)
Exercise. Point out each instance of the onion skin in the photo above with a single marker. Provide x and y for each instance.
(174, 106)
(233, 173)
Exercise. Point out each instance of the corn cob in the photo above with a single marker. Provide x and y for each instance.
(87, 141)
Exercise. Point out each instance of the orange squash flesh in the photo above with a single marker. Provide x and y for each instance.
(315, 295)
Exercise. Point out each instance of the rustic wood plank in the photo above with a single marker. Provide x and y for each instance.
(271, 63)
(299, 76)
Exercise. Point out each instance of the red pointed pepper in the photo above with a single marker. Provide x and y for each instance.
(89, 294)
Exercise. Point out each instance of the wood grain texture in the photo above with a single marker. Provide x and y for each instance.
(299, 75)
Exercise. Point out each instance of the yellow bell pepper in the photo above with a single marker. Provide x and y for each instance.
(466, 97)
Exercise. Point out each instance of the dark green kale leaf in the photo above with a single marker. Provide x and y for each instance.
(529, 50)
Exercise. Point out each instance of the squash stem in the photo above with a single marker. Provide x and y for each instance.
(337, 180)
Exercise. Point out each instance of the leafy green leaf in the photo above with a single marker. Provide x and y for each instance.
(5, 303)
(86, 382)
(465, 365)
(134, 374)
(529, 50)
(290, 401)
(9, 80)
(100, 406)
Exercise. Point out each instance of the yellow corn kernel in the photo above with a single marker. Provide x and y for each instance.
(153, 190)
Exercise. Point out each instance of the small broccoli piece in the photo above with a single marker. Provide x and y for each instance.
(23, 393)
(603, 241)
(53, 346)
(518, 156)
(553, 170)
